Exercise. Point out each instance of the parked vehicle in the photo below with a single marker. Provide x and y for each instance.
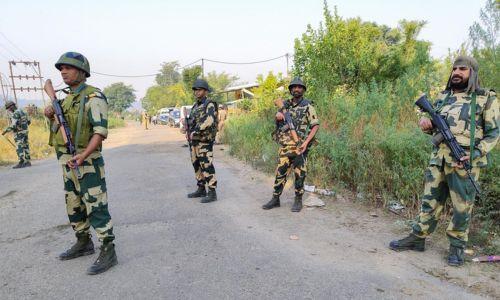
(174, 118)
(164, 115)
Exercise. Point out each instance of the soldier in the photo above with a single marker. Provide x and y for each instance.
(291, 154)
(19, 122)
(445, 177)
(86, 110)
(202, 128)
(145, 119)
(221, 123)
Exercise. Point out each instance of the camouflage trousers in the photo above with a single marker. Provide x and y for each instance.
(86, 199)
(202, 159)
(22, 146)
(442, 182)
(288, 160)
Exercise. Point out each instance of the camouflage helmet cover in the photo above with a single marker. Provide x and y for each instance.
(9, 104)
(297, 81)
(76, 60)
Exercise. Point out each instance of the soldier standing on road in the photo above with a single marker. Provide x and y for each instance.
(145, 120)
(19, 122)
(86, 110)
(292, 155)
(202, 128)
(221, 123)
(444, 176)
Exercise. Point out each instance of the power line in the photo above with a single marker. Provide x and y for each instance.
(244, 63)
(145, 75)
(3, 55)
(128, 76)
(185, 66)
(198, 60)
(10, 52)
(22, 52)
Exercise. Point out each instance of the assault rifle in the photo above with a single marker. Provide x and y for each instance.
(457, 152)
(61, 121)
(288, 120)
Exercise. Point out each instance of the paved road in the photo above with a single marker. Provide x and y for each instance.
(171, 247)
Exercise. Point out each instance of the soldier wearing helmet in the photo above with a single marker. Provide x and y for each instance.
(19, 122)
(86, 110)
(293, 155)
(202, 129)
(472, 113)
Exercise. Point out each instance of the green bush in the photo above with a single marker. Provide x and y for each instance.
(115, 122)
(363, 79)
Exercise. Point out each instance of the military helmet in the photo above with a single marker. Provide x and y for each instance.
(296, 81)
(201, 84)
(76, 60)
(9, 104)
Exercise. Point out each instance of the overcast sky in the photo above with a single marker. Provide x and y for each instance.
(133, 37)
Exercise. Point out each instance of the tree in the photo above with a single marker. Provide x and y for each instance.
(219, 82)
(165, 96)
(351, 52)
(484, 44)
(189, 75)
(168, 74)
(120, 96)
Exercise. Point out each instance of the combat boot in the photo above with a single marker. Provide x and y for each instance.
(211, 197)
(411, 242)
(200, 192)
(274, 202)
(297, 203)
(107, 259)
(18, 166)
(456, 256)
(83, 246)
(27, 164)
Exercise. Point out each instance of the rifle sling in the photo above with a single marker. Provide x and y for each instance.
(80, 116)
(472, 126)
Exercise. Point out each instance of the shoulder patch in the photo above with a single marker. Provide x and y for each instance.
(97, 94)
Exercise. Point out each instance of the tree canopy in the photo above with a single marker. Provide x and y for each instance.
(120, 96)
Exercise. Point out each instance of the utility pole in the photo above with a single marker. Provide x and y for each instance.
(12, 78)
(38, 75)
(287, 56)
(202, 68)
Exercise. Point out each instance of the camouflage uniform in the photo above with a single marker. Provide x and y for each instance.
(86, 197)
(203, 124)
(221, 124)
(443, 178)
(19, 122)
(304, 118)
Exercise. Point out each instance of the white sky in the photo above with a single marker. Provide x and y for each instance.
(133, 37)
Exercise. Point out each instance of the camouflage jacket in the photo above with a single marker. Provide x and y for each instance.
(94, 121)
(304, 117)
(203, 121)
(19, 122)
(456, 110)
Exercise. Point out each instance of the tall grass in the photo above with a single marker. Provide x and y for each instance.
(38, 140)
